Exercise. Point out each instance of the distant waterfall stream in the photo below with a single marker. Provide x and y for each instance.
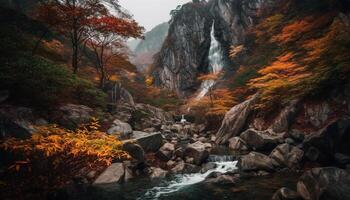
(215, 64)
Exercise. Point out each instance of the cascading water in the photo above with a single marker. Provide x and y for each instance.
(215, 64)
(184, 180)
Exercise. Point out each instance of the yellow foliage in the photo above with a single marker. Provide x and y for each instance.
(66, 151)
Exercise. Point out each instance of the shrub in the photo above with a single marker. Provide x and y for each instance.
(39, 82)
(53, 156)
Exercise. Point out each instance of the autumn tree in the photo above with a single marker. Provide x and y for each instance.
(106, 36)
(71, 18)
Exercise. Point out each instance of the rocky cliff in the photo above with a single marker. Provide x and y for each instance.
(185, 51)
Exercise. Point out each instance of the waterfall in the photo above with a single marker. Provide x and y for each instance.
(181, 181)
(215, 64)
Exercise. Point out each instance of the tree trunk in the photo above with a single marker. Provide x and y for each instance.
(102, 78)
(75, 59)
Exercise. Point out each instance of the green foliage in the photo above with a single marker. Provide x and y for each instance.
(39, 82)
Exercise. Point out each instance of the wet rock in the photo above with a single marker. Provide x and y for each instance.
(208, 166)
(158, 173)
(286, 155)
(324, 184)
(128, 171)
(255, 161)
(259, 140)
(150, 142)
(134, 150)
(286, 194)
(121, 129)
(197, 151)
(165, 153)
(234, 120)
(223, 179)
(237, 144)
(185, 168)
(113, 174)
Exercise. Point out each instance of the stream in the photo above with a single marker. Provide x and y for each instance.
(193, 187)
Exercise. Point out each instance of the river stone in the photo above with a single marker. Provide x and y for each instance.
(285, 118)
(197, 151)
(324, 184)
(150, 142)
(286, 155)
(165, 153)
(259, 140)
(223, 179)
(255, 161)
(158, 173)
(237, 144)
(113, 174)
(286, 194)
(235, 120)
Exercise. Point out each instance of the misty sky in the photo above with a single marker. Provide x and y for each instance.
(150, 13)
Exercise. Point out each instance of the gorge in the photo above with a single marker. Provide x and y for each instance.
(229, 99)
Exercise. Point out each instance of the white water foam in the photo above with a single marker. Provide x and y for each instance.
(182, 181)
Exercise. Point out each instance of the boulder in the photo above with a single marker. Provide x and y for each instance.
(235, 120)
(112, 175)
(237, 144)
(286, 155)
(317, 114)
(18, 121)
(296, 135)
(158, 173)
(255, 161)
(165, 153)
(134, 150)
(72, 115)
(321, 146)
(122, 129)
(150, 142)
(324, 184)
(261, 141)
(286, 194)
(197, 151)
(185, 168)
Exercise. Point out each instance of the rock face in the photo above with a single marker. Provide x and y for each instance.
(286, 155)
(260, 140)
(283, 122)
(113, 174)
(234, 120)
(324, 184)
(185, 50)
(197, 151)
(255, 161)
